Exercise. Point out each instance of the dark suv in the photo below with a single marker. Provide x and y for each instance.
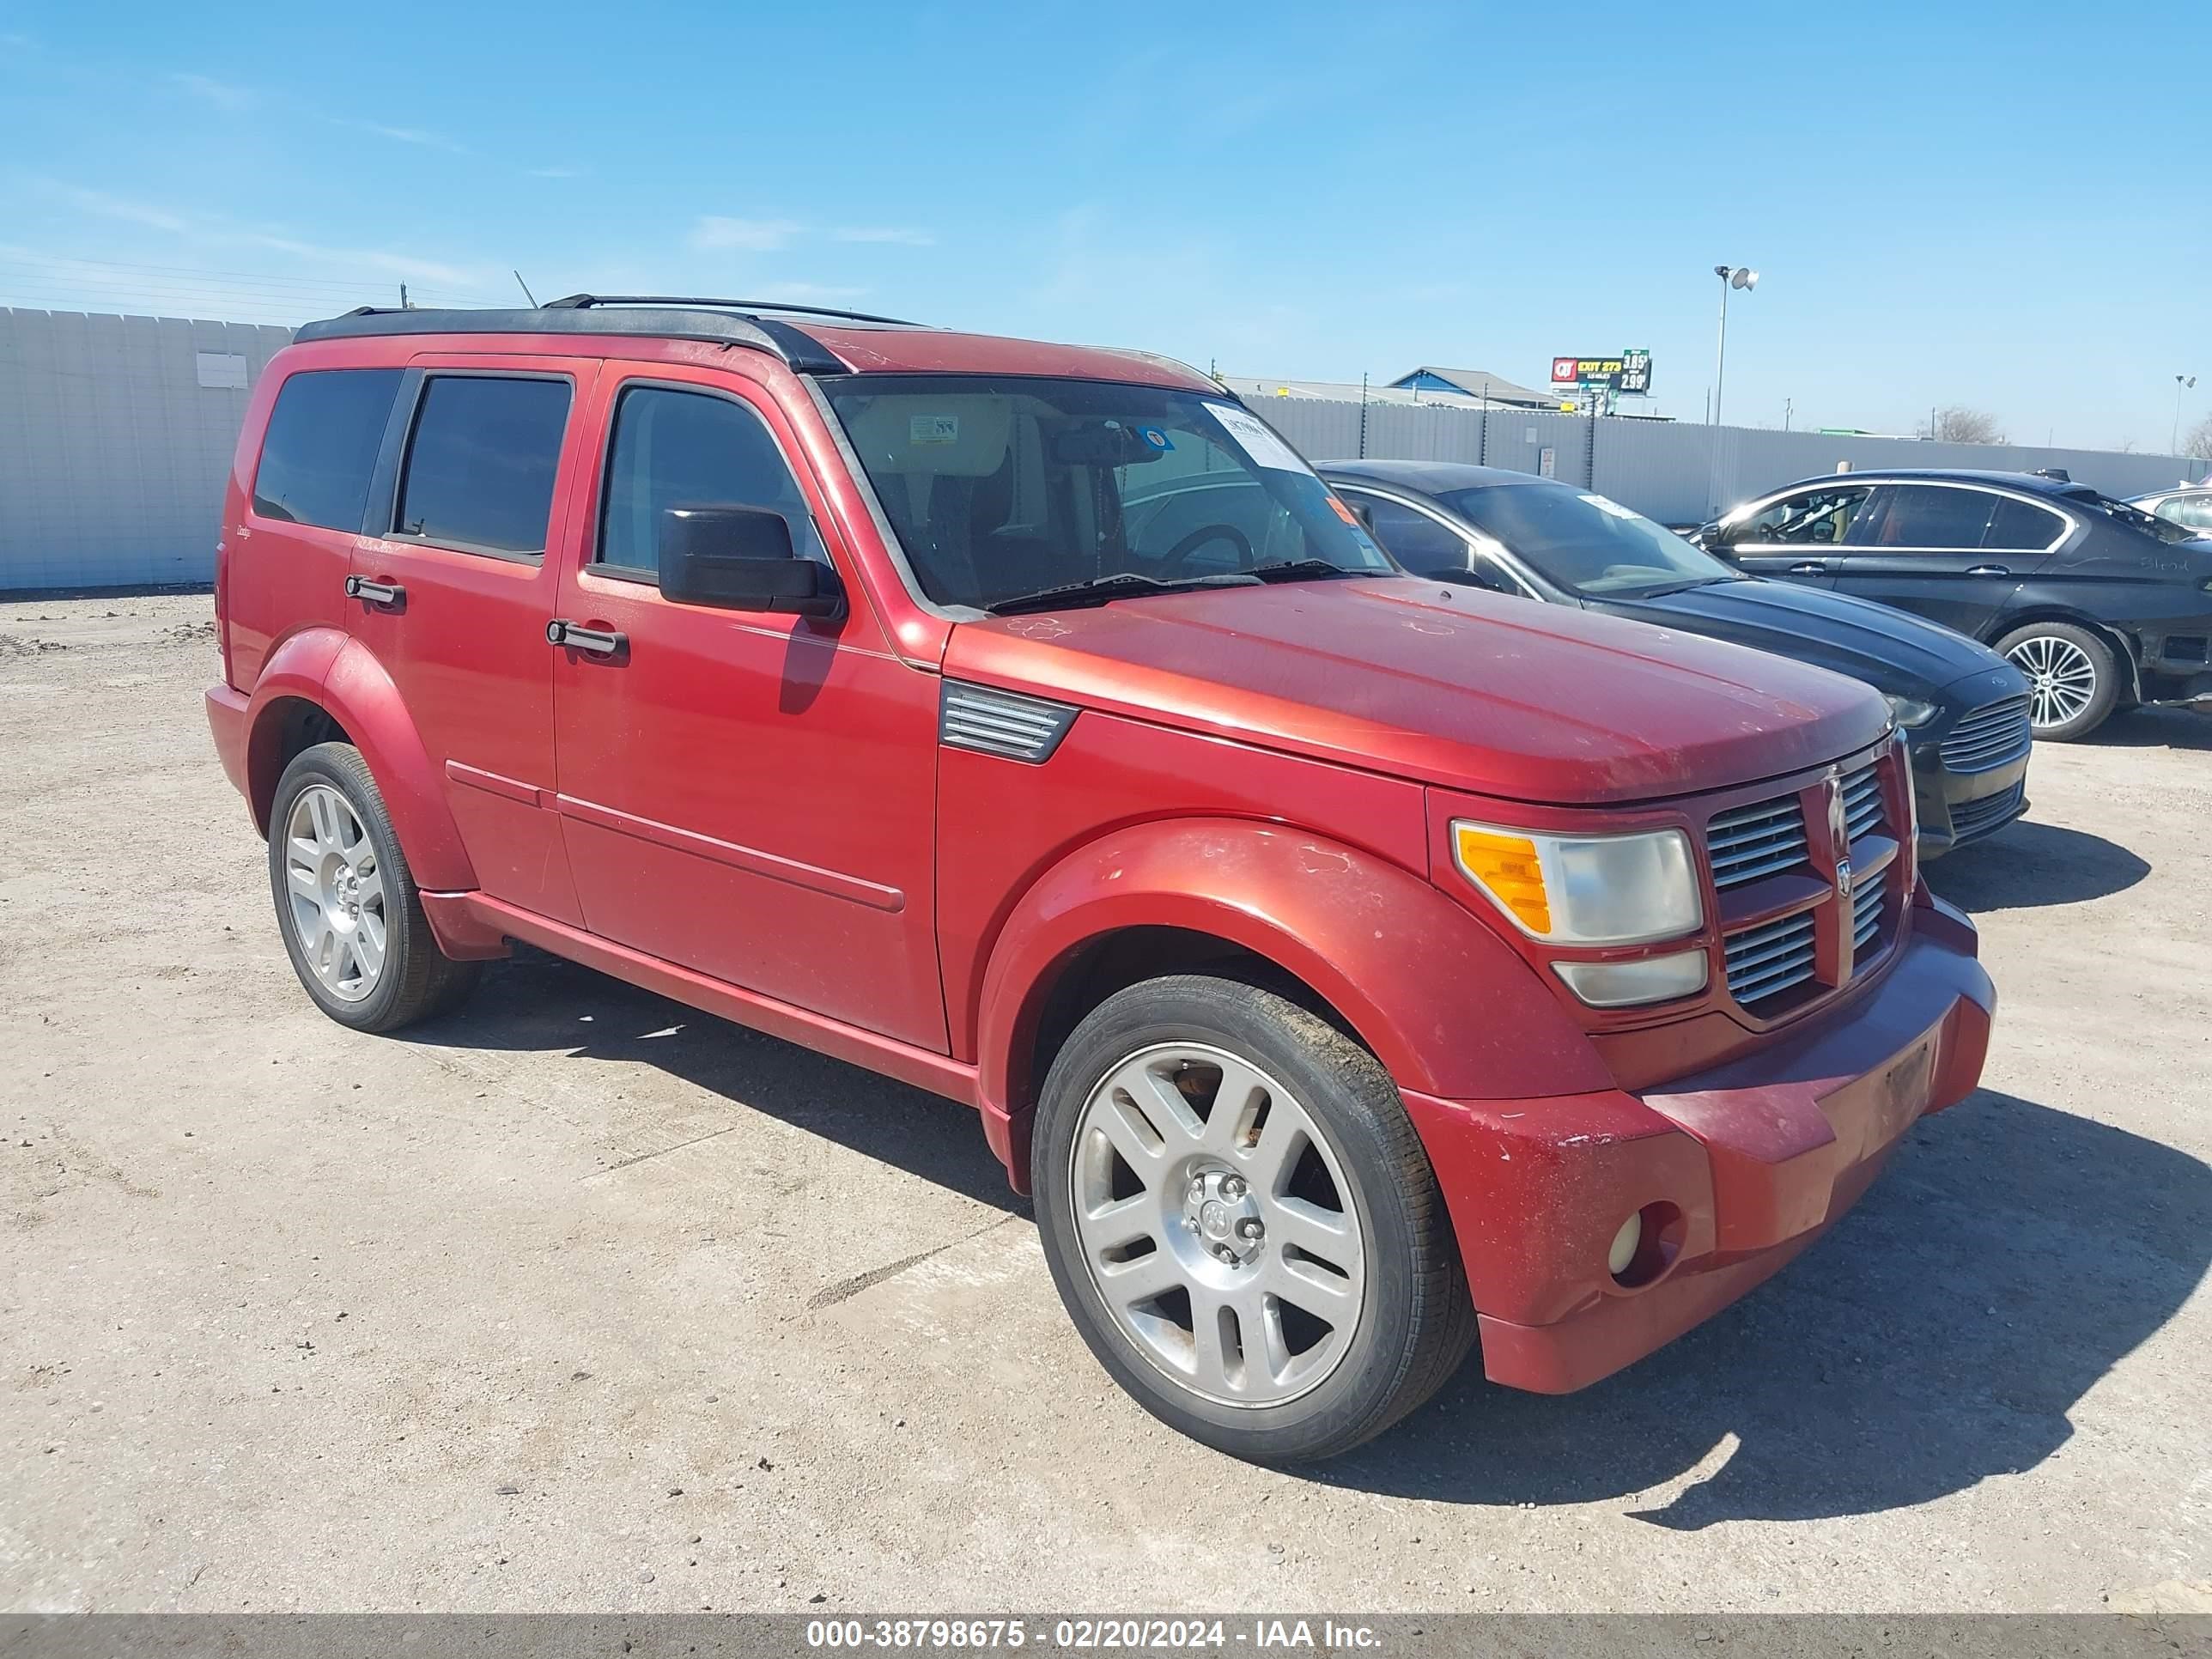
(2102, 605)
(1963, 709)
(1346, 966)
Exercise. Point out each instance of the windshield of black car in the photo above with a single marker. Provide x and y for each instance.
(1584, 543)
(1001, 487)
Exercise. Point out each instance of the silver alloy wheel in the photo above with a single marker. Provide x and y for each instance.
(2061, 680)
(1216, 1224)
(335, 892)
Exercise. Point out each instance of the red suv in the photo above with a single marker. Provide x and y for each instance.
(1348, 965)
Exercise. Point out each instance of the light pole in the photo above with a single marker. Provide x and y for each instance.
(2181, 384)
(1741, 276)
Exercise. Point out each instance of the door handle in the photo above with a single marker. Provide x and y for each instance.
(1809, 568)
(598, 642)
(1989, 570)
(370, 592)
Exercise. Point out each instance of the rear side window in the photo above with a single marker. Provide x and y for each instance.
(2023, 526)
(1415, 540)
(1930, 516)
(480, 466)
(320, 448)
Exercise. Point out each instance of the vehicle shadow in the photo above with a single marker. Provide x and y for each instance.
(2010, 1257)
(538, 1003)
(2155, 728)
(2027, 863)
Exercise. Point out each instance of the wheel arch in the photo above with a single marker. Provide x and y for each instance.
(1445, 1004)
(2126, 649)
(321, 685)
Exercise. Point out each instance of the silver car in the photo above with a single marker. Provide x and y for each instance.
(2185, 504)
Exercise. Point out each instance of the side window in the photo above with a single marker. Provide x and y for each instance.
(690, 449)
(480, 466)
(320, 448)
(2193, 511)
(1810, 518)
(1933, 518)
(2022, 527)
(1415, 540)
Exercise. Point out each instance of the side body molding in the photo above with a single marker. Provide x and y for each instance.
(1445, 1003)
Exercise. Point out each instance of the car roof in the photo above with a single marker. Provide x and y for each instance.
(808, 339)
(2030, 484)
(1433, 478)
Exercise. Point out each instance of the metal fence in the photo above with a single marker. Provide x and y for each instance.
(116, 435)
(1671, 471)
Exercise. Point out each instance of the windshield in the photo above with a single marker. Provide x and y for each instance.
(1003, 488)
(1584, 543)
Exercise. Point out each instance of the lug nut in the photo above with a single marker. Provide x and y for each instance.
(1249, 1228)
(1197, 1190)
(1232, 1187)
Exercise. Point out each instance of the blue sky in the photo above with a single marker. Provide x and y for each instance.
(1999, 205)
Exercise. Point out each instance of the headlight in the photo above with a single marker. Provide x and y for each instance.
(1910, 711)
(1584, 889)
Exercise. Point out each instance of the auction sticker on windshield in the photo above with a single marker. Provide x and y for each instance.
(1250, 434)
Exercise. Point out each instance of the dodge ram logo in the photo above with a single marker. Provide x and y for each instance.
(1843, 880)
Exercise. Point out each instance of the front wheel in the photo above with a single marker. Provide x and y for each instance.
(1243, 1222)
(2073, 678)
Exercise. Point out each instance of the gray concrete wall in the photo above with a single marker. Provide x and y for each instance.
(1667, 470)
(116, 434)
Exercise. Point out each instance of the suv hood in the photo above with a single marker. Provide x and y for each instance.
(1451, 686)
(1890, 650)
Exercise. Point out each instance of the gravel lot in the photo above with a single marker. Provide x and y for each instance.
(582, 1300)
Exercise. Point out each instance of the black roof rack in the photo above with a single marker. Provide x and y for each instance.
(581, 302)
(716, 322)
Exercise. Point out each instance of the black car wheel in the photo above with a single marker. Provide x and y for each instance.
(2073, 678)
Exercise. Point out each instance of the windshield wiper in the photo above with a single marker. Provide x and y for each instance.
(1298, 570)
(1684, 588)
(1123, 584)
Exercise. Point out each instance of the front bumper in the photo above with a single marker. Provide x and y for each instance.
(1959, 808)
(1735, 1171)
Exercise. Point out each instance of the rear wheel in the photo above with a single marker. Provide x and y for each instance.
(346, 902)
(2073, 678)
(1243, 1222)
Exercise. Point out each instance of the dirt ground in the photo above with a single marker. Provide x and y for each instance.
(581, 1300)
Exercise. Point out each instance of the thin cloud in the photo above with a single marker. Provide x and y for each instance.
(221, 94)
(106, 206)
(891, 233)
(396, 264)
(420, 137)
(748, 235)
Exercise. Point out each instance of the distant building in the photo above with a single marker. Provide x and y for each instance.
(1481, 386)
(1504, 394)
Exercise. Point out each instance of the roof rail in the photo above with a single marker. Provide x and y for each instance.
(793, 345)
(580, 302)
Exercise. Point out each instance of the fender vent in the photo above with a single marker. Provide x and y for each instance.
(1000, 723)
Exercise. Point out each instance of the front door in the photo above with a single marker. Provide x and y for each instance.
(1952, 553)
(747, 795)
(452, 590)
(1797, 537)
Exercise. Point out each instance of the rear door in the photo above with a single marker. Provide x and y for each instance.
(1952, 553)
(1797, 537)
(454, 591)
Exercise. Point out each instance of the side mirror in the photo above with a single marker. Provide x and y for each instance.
(740, 558)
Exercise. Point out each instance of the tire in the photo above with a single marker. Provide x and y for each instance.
(337, 893)
(2074, 679)
(1235, 1080)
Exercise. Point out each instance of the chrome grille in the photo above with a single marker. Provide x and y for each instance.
(1993, 735)
(1765, 961)
(1001, 723)
(1866, 914)
(1755, 840)
(1862, 813)
(1974, 818)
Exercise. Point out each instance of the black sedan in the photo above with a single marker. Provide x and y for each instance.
(1963, 709)
(2103, 605)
